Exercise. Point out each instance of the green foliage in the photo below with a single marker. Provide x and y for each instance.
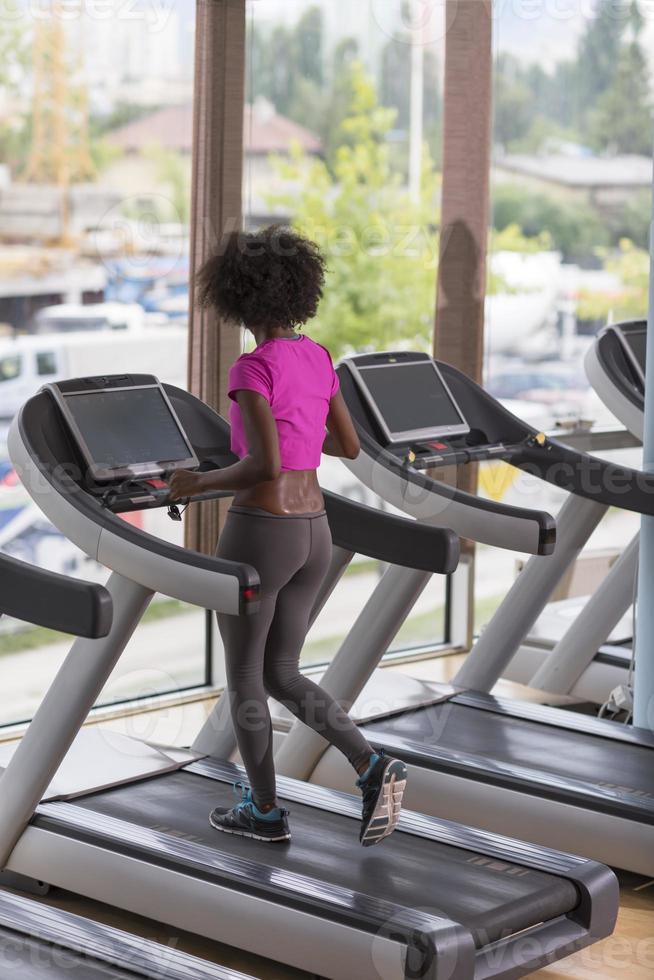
(307, 48)
(622, 118)
(513, 102)
(633, 220)
(288, 68)
(573, 227)
(631, 266)
(512, 239)
(597, 57)
(338, 101)
(103, 154)
(600, 98)
(381, 249)
(15, 133)
(540, 132)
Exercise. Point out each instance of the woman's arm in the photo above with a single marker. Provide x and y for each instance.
(260, 465)
(342, 440)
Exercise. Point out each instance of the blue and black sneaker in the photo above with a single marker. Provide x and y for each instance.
(246, 820)
(382, 785)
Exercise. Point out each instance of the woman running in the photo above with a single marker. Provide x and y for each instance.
(283, 394)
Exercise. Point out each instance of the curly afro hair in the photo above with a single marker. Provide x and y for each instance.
(268, 278)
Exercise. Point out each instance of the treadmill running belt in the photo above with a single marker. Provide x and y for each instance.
(491, 898)
(519, 742)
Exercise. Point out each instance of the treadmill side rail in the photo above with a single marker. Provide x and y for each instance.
(609, 800)
(100, 943)
(544, 714)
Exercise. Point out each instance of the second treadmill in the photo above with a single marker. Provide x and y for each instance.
(557, 777)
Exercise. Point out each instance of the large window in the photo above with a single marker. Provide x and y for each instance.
(571, 192)
(95, 150)
(343, 123)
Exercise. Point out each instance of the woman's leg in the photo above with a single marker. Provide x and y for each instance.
(286, 636)
(276, 550)
(244, 640)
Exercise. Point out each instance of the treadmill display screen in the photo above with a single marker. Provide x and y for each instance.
(412, 401)
(125, 431)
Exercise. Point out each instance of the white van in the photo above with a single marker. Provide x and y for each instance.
(29, 362)
(75, 317)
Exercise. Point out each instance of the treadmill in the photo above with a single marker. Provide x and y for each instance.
(556, 777)
(38, 942)
(126, 822)
(592, 654)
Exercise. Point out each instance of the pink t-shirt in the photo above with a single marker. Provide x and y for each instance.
(297, 379)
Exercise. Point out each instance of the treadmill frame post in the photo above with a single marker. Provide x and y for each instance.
(528, 596)
(63, 711)
(360, 653)
(643, 652)
(576, 650)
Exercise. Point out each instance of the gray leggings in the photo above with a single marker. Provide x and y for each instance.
(262, 651)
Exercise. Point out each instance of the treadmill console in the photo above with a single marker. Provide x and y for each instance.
(408, 396)
(124, 427)
(127, 437)
(416, 413)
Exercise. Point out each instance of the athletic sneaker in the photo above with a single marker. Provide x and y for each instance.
(382, 785)
(246, 820)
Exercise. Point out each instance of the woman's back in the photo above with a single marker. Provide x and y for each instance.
(296, 377)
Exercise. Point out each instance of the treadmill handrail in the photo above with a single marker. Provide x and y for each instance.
(390, 538)
(579, 473)
(542, 524)
(57, 602)
(589, 476)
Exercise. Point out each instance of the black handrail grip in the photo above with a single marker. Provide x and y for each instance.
(397, 540)
(54, 601)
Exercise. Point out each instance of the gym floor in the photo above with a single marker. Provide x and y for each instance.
(628, 953)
